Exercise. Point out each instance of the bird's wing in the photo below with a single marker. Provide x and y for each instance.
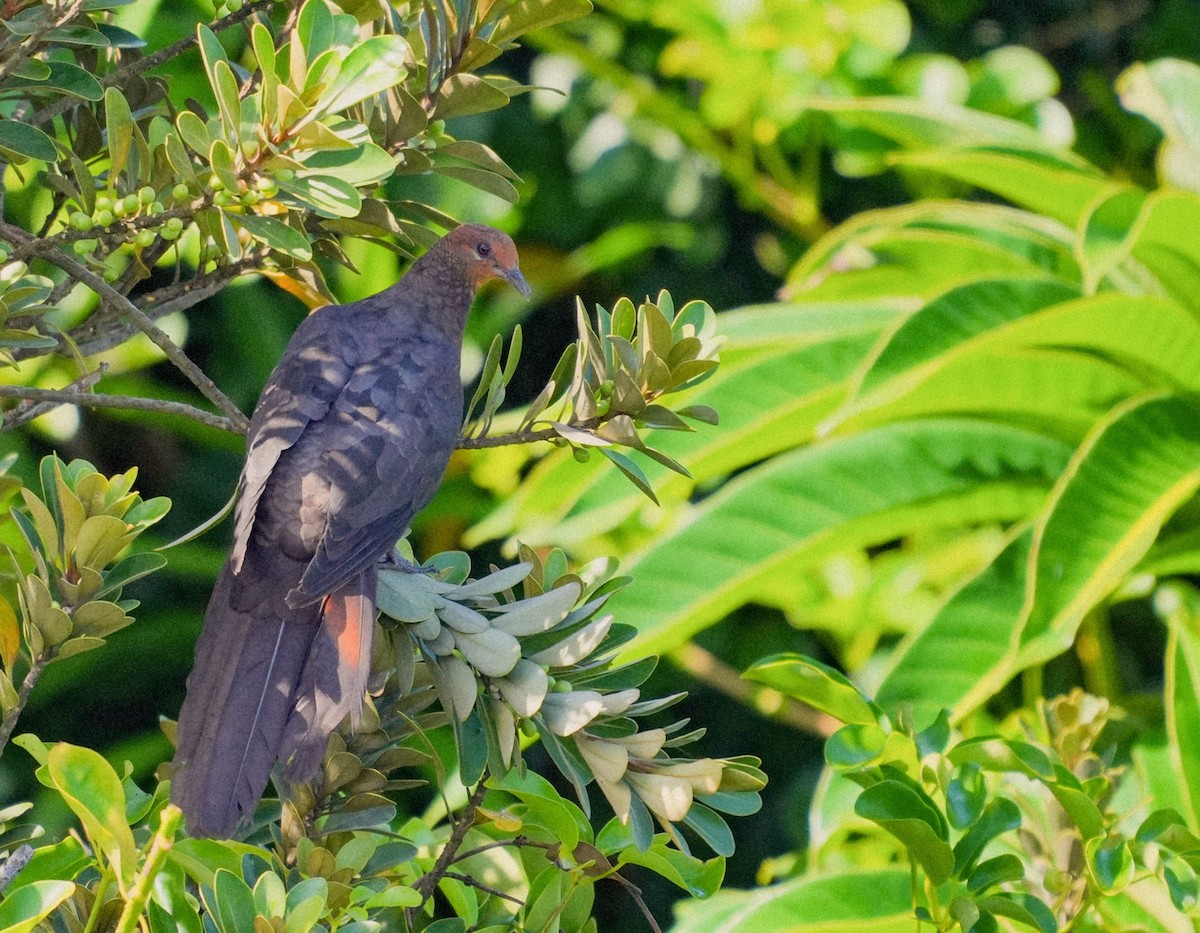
(305, 384)
(387, 466)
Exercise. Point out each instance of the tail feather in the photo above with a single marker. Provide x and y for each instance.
(239, 698)
(334, 679)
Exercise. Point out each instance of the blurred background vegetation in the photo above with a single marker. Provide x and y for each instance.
(664, 145)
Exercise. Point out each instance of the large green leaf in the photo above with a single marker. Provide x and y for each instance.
(373, 66)
(849, 902)
(1126, 480)
(924, 248)
(855, 491)
(977, 628)
(91, 788)
(26, 907)
(1053, 188)
(1181, 690)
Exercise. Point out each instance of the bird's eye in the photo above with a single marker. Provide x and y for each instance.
(484, 250)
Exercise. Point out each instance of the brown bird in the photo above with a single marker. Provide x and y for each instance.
(347, 443)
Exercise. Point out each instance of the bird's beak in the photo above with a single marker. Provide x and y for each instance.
(513, 277)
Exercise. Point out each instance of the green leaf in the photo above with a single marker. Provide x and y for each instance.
(816, 684)
(999, 816)
(328, 195)
(1138, 466)
(977, 627)
(1109, 862)
(1023, 908)
(1052, 187)
(526, 15)
(1181, 694)
(21, 141)
(91, 788)
(61, 77)
(25, 907)
(995, 871)
(358, 166)
(909, 815)
(232, 903)
(861, 490)
(464, 94)
(371, 67)
(118, 120)
(833, 902)
(698, 878)
(275, 234)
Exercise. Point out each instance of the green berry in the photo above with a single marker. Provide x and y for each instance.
(267, 187)
(233, 5)
(3, 255)
(285, 174)
(81, 221)
(132, 203)
(581, 454)
(104, 217)
(156, 208)
(215, 183)
(603, 406)
(103, 201)
(84, 247)
(222, 199)
(146, 195)
(145, 238)
(174, 223)
(110, 275)
(180, 192)
(251, 197)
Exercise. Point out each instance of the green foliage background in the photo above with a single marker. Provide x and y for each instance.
(954, 249)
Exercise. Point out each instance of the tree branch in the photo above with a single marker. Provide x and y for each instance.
(127, 308)
(428, 881)
(27, 685)
(58, 397)
(528, 436)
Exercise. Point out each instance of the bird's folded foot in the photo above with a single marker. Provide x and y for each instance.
(394, 560)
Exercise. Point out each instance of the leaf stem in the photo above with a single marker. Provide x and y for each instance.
(139, 894)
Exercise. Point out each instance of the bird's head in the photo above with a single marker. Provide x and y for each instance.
(485, 253)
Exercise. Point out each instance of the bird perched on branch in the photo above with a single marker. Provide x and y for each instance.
(347, 443)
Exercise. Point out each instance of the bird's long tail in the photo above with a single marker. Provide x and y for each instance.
(335, 678)
(239, 697)
(269, 684)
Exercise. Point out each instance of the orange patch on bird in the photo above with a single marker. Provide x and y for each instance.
(341, 614)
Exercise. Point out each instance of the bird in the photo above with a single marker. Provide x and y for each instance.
(348, 441)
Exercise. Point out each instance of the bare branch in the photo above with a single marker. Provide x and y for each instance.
(127, 308)
(528, 436)
(100, 400)
(28, 410)
(428, 881)
(487, 889)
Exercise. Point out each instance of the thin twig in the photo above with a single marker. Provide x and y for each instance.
(127, 308)
(528, 436)
(101, 400)
(487, 889)
(27, 685)
(428, 881)
(517, 841)
(27, 411)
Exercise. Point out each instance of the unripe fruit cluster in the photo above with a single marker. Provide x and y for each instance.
(109, 207)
